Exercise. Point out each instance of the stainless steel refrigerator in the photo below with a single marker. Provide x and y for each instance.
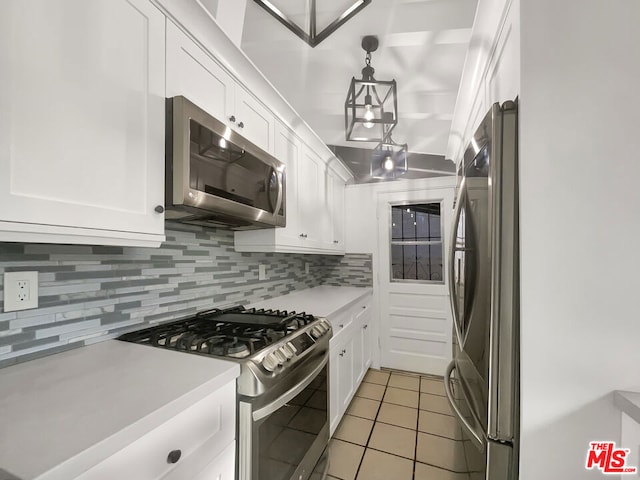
(482, 381)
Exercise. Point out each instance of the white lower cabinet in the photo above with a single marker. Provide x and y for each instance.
(223, 467)
(197, 441)
(349, 356)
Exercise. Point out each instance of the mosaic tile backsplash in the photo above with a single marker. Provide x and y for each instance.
(89, 294)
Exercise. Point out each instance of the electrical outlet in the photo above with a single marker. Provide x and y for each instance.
(307, 266)
(23, 287)
(20, 291)
(262, 272)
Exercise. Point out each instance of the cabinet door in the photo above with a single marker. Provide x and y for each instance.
(336, 203)
(346, 379)
(288, 149)
(82, 94)
(193, 73)
(253, 120)
(209, 423)
(364, 321)
(313, 213)
(358, 358)
(341, 379)
(222, 468)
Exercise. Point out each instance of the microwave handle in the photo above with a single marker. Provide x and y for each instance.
(280, 192)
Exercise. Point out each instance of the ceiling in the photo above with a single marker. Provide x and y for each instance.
(423, 45)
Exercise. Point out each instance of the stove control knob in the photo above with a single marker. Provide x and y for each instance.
(280, 356)
(288, 352)
(292, 347)
(270, 363)
(316, 332)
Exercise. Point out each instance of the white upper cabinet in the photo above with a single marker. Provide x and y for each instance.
(336, 194)
(82, 139)
(253, 120)
(314, 204)
(193, 73)
(312, 200)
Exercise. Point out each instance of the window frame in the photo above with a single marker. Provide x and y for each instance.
(406, 203)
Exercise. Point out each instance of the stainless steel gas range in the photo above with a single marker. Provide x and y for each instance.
(283, 424)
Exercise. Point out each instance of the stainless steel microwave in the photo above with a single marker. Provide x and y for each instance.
(217, 178)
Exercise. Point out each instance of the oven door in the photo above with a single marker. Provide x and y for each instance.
(284, 439)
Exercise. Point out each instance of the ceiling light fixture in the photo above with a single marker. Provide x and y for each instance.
(389, 160)
(371, 108)
(312, 36)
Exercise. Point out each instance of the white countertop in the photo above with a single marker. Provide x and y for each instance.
(322, 301)
(85, 404)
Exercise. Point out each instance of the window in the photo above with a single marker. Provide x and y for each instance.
(416, 242)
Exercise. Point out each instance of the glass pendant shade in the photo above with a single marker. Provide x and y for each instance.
(370, 110)
(389, 160)
(371, 107)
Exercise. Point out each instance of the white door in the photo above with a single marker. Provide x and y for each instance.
(413, 296)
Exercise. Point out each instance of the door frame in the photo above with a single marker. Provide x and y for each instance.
(384, 201)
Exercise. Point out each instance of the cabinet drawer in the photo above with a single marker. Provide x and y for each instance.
(199, 466)
(210, 421)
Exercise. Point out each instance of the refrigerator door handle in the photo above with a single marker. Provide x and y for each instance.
(476, 439)
(452, 265)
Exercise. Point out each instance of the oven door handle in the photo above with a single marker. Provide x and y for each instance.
(290, 394)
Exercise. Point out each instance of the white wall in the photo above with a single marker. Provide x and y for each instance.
(580, 227)
(361, 218)
(361, 204)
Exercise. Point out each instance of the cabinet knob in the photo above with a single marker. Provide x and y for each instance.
(174, 456)
(241, 125)
(232, 118)
(159, 209)
(342, 353)
(303, 235)
(335, 241)
(365, 326)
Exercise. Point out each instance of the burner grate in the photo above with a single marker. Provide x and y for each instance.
(233, 332)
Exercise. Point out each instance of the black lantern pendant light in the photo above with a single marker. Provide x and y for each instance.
(389, 160)
(371, 108)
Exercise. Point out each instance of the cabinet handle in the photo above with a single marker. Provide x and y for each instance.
(365, 326)
(174, 456)
(241, 125)
(364, 306)
(159, 209)
(335, 241)
(342, 352)
(232, 119)
(303, 235)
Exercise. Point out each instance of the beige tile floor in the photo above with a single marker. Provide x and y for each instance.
(398, 426)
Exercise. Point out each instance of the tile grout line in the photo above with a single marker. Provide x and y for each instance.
(373, 426)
